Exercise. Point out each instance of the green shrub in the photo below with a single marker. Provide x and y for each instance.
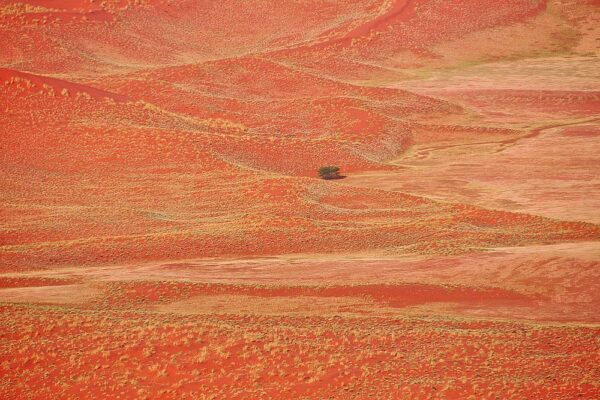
(330, 172)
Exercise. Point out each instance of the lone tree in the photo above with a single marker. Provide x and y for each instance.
(330, 172)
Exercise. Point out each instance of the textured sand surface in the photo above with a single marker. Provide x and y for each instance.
(164, 233)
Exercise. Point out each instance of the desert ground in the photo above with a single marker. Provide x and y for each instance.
(164, 233)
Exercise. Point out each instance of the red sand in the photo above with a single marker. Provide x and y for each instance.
(164, 234)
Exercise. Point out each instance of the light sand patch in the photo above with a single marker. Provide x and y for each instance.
(23, 8)
(552, 175)
(255, 305)
(66, 294)
(577, 73)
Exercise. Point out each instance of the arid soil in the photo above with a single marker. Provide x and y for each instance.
(164, 233)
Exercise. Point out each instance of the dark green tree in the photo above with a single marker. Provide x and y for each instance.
(330, 172)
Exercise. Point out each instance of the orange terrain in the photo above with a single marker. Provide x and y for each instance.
(164, 233)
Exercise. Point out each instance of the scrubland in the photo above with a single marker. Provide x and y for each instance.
(164, 232)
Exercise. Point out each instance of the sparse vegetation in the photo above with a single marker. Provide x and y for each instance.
(166, 233)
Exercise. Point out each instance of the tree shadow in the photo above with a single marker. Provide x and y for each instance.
(334, 178)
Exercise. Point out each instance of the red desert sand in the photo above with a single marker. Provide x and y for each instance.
(165, 234)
